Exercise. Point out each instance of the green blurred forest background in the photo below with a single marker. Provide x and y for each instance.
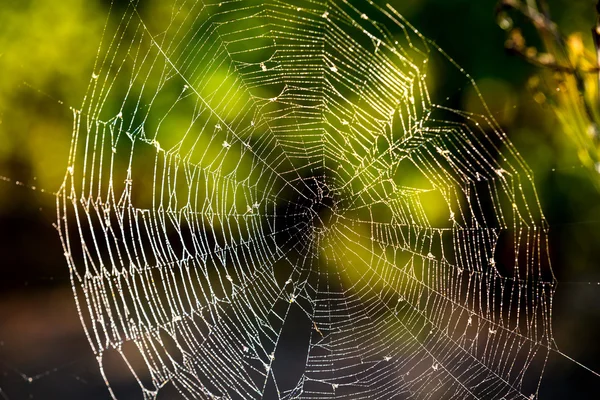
(47, 50)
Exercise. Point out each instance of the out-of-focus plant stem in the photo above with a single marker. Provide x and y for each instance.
(570, 71)
(596, 36)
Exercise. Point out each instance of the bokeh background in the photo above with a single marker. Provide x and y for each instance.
(47, 49)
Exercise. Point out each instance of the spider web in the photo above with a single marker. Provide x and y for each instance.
(263, 201)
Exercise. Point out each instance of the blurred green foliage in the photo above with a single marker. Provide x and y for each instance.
(48, 49)
(569, 73)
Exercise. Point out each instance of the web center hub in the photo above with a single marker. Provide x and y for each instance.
(322, 213)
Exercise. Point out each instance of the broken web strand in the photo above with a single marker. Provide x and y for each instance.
(195, 289)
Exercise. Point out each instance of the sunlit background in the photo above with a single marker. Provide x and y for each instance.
(47, 51)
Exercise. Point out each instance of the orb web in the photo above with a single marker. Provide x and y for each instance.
(262, 200)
